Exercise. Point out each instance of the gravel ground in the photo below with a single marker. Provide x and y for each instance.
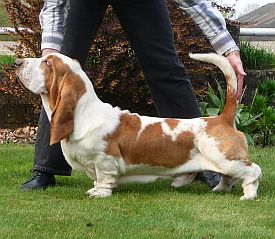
(25, 135)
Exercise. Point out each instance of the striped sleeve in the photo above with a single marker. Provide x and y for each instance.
(52, 20)
(210, 21)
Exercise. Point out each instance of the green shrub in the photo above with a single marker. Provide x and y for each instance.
(112, 66)
(263, 105)
(267, 88)
(257, 120)
(256, 58)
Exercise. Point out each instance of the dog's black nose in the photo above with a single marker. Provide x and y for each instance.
(18, 62)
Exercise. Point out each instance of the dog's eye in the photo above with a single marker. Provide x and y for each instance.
(47, 63)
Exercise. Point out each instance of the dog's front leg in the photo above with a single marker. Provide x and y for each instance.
(106, 177)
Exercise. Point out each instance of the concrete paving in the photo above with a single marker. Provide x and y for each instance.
(4, 47)
(268, 45)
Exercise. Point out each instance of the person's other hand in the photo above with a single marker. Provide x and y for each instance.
(47, 51)
(235, 60)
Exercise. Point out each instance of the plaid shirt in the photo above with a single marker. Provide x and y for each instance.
(54, 13)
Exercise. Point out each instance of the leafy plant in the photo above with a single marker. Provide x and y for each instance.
(244, 121)
(267, 125)
(267, 88)
(257, 120)
(263, 104)
(216, 103)
(255, 57)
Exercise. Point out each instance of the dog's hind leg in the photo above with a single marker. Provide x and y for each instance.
(246, 171)
(225, 184)
(251, 182)
(183, 179)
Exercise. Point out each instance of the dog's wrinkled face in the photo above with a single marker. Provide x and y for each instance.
(36, 74)
(57, 78)
(31, 74)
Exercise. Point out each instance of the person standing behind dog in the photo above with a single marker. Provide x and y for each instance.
(71, 31)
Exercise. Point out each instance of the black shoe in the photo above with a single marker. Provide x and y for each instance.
(39, 180)
(211, 178)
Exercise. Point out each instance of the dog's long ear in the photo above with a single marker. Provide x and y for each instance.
(65, 90)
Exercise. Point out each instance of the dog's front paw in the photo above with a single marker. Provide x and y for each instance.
(90, 191)
(99, 192)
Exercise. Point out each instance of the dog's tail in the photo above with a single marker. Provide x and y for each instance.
(231, 104)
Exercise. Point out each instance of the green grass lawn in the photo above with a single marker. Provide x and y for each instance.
(6, 60)
(134, 211)
(4, 22)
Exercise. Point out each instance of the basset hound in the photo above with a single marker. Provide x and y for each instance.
(114, 146)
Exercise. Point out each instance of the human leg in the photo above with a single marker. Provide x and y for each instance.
(149, 30)
(85, 17)
(148, 26)
(48, 160)
(83, 21)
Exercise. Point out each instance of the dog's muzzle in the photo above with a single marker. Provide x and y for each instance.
(17, 64)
